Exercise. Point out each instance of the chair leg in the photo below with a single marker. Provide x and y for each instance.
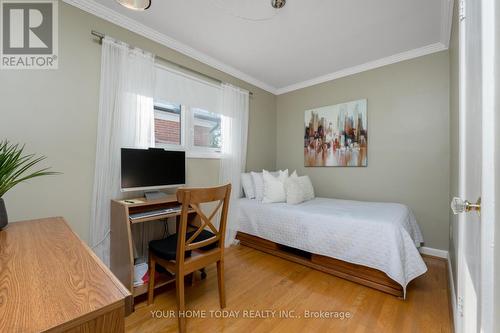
(192, 278)
(220, 278)
(152, 273)
(181, 305)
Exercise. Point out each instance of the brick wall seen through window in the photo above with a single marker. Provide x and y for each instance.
(205, 132)
(168, 124)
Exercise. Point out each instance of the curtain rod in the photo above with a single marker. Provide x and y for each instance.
(101, 36)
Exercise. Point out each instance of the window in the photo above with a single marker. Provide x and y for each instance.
(203, 131)
(206, 129)
(194, 123)
(168, 124)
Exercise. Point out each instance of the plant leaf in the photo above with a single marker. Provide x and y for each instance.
(15, 167)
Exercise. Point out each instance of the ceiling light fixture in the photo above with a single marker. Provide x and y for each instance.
(278, 3)
(135, 4)
(250, 10)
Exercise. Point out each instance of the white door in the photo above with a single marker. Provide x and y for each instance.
(476, 170)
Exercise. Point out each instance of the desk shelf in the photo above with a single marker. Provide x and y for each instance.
(164, 279)
(121, 242)
(159, 217)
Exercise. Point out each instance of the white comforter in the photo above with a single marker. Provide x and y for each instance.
(384, 236)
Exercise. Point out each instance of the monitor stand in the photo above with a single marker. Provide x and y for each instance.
(154, 195)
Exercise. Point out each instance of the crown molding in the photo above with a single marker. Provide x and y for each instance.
(105, 13)
(407, 55)
(123, 21)
(443, 44)
(446, 21)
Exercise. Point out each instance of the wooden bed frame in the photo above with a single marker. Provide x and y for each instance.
(360, 274)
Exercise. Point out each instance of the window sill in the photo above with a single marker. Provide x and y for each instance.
(194, 153)
(204, 155)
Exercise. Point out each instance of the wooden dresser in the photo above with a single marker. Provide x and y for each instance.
(50, 281)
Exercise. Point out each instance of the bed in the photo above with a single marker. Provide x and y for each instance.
(375, 244)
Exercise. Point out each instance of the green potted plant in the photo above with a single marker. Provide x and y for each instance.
(15, 168)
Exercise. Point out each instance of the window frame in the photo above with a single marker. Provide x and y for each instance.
(182, 118)
(187, 121)
(187, 135)
(200, 151)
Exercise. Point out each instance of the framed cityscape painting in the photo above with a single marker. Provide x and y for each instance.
(336, 135)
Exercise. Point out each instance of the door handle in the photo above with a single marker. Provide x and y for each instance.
(459, 206)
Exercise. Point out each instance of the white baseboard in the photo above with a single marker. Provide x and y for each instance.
(434, 252)
(451, 283)
(452, 295)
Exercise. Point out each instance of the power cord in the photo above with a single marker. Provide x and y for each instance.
(166, 231)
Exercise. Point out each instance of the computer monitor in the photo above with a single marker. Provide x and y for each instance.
(152, 169)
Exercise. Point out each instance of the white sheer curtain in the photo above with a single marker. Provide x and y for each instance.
(126, 119)
(234, 148)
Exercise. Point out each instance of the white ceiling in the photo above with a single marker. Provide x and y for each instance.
(306, 42)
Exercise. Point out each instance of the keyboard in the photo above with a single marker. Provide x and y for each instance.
(153, 213)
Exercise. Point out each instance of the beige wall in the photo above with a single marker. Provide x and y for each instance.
(55, 114)
(454, 139)
(408, 144)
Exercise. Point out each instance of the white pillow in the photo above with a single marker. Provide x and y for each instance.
(274, 187)
(307, 187)
(298, 189)
(247, 184)
(258, 183)
(293, 189)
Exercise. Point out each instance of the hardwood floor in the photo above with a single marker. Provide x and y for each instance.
(256, 281)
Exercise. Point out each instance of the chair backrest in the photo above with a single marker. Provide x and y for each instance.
(191, 199)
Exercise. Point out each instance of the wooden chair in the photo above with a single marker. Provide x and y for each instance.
(189, 251)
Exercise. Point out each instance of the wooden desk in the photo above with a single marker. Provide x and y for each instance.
(50, 281)
(122, 253)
